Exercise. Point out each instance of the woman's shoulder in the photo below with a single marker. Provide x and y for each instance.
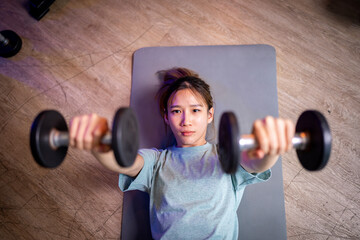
(151, 152)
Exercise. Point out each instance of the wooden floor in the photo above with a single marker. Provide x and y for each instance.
(78, 59)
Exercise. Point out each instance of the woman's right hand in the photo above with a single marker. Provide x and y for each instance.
(86, 132)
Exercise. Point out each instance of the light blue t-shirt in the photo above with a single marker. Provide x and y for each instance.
(190, 195)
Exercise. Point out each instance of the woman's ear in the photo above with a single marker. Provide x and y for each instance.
(166, 120)
(210, 115)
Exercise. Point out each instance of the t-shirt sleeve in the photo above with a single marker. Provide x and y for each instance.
(242, 177)
(144, 179)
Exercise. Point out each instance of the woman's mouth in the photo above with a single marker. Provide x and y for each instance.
(187, 133)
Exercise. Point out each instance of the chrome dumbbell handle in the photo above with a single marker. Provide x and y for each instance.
(60, 139)
(248, 142)
(3, 40)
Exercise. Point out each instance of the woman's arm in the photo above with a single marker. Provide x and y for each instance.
(86, 132)
(108, 160)
(274, 136)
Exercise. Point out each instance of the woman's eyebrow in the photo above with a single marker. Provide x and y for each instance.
(197, 105)
(175, 106)
(193, 105)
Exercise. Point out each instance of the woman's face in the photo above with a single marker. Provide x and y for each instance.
(188, 117)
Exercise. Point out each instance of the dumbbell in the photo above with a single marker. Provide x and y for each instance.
(38, 8)
(312, 141)
(49, 138)
(10, 43)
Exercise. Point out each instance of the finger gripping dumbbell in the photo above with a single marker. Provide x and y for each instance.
(49, 138)
(312, 141)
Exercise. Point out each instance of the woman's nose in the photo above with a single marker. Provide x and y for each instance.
(185, 121)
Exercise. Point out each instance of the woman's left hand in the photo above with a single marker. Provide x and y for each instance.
(274, 137)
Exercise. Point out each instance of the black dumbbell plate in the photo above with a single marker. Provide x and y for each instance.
(13, 46)
(229, 152)
(41, 149)
(125, 137)
(317, 153)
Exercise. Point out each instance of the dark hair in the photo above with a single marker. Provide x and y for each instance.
(176, 79)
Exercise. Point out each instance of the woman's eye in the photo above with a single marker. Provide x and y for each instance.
(196, 110)
(175, 111)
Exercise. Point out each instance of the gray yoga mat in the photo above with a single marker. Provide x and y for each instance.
(243, 80)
